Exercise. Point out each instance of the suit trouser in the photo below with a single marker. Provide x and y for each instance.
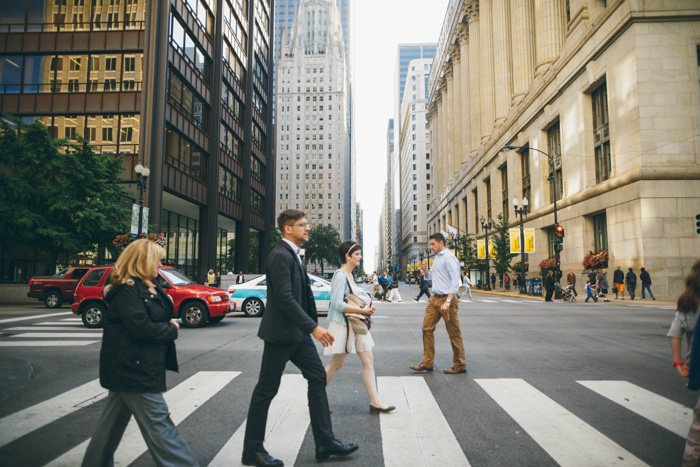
(151, 413)
(432, 317)
(423, 291)
(275, 357)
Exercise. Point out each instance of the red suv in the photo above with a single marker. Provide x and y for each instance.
(194, 304)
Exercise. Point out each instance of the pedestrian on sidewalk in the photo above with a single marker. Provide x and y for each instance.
(500, 280)
(506, 281)
(589, 292)
(346, 341)
(423, 285)
(646, 284)
(443, 304)
(240, 279)
(289, 321)
(217, 281)
(684, 323)
(138, 345)
(493, 280)
(603, 285)
(384, 284)
(466, 280)
(571, 280)
(593, 277)
(211, 278)
(549, 286)
(619, 282)
(631, 283)
(394, 295)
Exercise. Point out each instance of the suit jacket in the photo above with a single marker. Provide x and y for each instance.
(290, 313)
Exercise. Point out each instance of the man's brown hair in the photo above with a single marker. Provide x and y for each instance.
(289, 217)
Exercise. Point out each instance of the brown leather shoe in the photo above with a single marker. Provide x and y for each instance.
(421, 367)
(452, 371)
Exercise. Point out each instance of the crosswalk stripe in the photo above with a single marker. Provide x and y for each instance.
(670, 415)
(73, 320)
(25, 421)
(60, 323)
(45, 343)
(24, 318)
(51, 328)
(58, 334)
(568, 439)
(487, 301)
(416, 433)
(513, 301)
(287, 422)
(182, 400)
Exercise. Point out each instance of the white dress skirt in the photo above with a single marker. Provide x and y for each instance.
(355, 343)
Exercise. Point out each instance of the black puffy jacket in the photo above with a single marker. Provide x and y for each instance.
(137, 339)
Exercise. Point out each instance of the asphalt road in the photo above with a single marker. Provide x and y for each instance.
(547, 384)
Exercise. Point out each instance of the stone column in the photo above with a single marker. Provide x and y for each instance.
(457, 106)
(449, 106)
(486, 82)
(437, 158)
(463, 35)
(472, 10)
(502, 59)
(444, 135)
(462, 216)
(549, 31)
(523, 46)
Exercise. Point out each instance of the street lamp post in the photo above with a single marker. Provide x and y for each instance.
(142, 174)
(520, 212)
(486, 226)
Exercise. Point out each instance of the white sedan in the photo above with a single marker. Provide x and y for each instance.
(251, 297)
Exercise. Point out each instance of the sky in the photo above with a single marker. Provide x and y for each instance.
(380, 25)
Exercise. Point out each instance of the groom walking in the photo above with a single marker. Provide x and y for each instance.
(289, 321)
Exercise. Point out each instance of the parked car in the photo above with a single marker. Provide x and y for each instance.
(56, 289)
(194, 304)
(251, 297)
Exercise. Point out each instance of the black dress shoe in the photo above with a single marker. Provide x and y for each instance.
(374, 409)
(335, 448)
(261, 459)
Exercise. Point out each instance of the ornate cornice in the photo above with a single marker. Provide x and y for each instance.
(471, 9)
(454, 54)
(447, 70)
(463, 32)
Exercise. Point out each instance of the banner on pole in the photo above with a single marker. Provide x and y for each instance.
(481, 249)
(492, 249)
(134, 219)
(529, 240)
(514, 240)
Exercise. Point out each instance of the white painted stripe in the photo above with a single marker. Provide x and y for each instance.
(60, 323)
(513, 301)
(12, 320)
(416, 433)
(488, 301)
(287, 422)
(52, 328)
(670, 415)
(182, 400)
(568, 439)
(33, 335)
(25, 421)
(73, 320)
(45, 343)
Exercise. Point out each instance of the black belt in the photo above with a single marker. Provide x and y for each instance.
(439, 296)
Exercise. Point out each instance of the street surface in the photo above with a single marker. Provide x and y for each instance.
(547, 384)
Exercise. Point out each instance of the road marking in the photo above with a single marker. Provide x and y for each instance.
(25, 421)
(416, 433)
(568, 439)
(182, 400)
(670, 415)
(287, 422)
(12, 320)
(59, 323)
(488, 301)
(513, 301)
(45, 343)
(58, 334)
(73, 320)
(50, 328)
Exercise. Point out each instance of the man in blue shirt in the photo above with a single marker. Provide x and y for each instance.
(442, 304)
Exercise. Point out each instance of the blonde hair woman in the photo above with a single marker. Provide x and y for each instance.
(137, 347)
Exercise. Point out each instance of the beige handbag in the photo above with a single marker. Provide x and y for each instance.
(359, 323)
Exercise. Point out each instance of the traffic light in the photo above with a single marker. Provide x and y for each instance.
(560, 233)
(697, 224)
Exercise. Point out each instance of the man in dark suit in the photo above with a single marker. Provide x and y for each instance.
(289, 320)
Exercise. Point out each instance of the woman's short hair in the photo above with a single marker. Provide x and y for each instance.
(348, 247)
(139, 260)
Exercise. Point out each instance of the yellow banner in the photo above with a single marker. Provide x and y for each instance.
(529, 240)
(481, 249)
(431, 264)
(515, 240)
(409, 267)
(492, 249)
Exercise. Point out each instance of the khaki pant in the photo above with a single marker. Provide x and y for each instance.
(432, 317)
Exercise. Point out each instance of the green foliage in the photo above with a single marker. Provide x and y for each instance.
(501, 241)
(57, 195)
(466, 248)
(253, 250)
(322, 246)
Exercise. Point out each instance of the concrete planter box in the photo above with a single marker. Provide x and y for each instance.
(15, 293)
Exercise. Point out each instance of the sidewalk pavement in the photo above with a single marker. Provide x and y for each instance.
(638, 301)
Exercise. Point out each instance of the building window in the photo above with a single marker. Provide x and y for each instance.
(525, 169)
(600, 232)
(601, 133)
(554, 140)
(487, 187)
(551, 242)
(476, 208)
(504, 191)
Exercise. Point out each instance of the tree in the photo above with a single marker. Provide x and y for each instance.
(253, 249)
(501, 241)
(322, 246)
(467, 249)
(58, 195)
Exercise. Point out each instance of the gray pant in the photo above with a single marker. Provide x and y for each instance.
(151, 413)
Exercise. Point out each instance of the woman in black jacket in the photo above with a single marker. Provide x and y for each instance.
(137, 347)
(549, 286)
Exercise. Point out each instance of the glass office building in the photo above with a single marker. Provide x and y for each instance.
(180, 86)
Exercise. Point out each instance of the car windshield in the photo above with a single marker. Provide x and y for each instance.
(175, 277)
(61, 273)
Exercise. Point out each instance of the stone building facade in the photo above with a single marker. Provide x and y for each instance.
(610, 92)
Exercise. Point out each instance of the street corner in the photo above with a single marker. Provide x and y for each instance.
(14, 374)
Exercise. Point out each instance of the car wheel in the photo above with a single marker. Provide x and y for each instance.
(194, 315)
(216, 319)
(93, 314)
(53, 299)
(253, 307)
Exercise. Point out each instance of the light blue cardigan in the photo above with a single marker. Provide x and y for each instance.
(339, 289)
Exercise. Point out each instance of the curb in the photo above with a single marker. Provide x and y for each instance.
(504, 294)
